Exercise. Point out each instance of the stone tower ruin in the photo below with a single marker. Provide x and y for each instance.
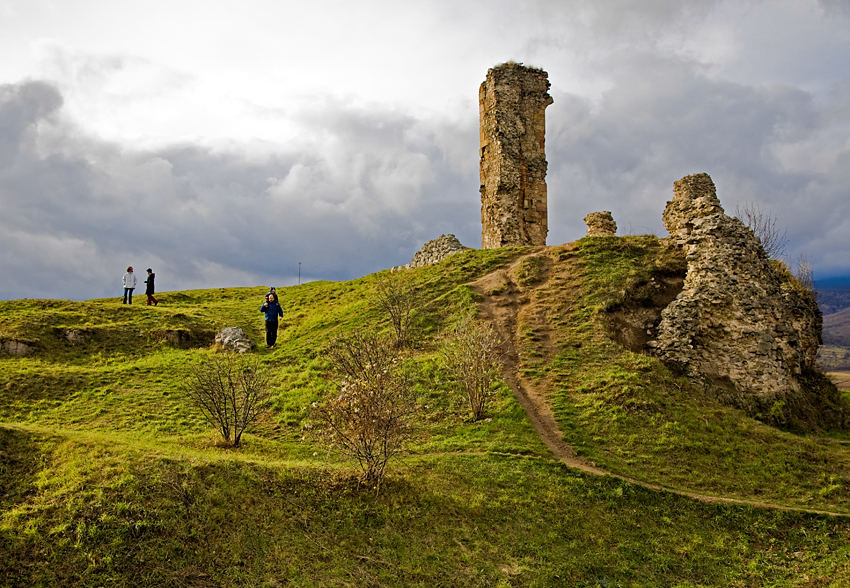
(512, 103)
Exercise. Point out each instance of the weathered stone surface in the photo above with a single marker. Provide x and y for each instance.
(234, 339)
(75, 336)
(740, 319)
(178, 337)
(16, 348)
(434, 251)
(693, 197)
(600, 224)
(512, 104)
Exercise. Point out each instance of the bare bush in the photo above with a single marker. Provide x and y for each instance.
(231, 391)
(806, 274)
(396, 295)
(473, 354)
(773, 239)
(373, 414)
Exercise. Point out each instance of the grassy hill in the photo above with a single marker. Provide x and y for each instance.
(108, 477)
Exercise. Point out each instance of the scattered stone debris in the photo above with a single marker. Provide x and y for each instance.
(741, 318)
(234, 339)
(600, 224)
(434, 251)
(16, 348)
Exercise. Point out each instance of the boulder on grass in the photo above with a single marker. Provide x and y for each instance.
(16, 348)
(234, 339)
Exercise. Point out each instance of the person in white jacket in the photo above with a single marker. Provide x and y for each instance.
(129, 284)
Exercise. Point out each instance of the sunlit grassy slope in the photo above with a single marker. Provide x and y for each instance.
(108, 478)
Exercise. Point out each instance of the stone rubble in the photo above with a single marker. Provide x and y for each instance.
(434, 251)
(600, 224)
(234, 339)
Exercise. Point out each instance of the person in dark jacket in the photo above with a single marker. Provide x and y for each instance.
(149, 289)
(272, 310)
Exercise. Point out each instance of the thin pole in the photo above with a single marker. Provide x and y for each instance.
(299, 273)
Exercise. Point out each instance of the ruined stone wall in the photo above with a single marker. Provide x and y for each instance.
(512, 104)
(740, 317)
(434, 251)
(600, 224)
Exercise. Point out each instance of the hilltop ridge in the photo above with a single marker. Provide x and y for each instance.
(111, 478)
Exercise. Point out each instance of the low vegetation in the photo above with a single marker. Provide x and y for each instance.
(397, 297)
(773, 238)
(110, 477)
(373, 414)
(231, 392)
(473, 355)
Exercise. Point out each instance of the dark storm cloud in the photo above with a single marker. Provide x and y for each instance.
(21, 107)
(664, 119)
(345, 201)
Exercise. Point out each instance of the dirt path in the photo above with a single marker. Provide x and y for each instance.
(503, 304)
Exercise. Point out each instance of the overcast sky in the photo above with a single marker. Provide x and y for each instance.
(222, 143)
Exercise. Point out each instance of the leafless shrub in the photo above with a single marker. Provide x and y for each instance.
(373, 414)
(773, 239)
(231, 391)
(473, 354)
(806, 274)
(396, 295)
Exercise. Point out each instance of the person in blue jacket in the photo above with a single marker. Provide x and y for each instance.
(272, 310)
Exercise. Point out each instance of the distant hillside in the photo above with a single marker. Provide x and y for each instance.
(594, 466)
(831, 301)
(837, 321)
(835, 353)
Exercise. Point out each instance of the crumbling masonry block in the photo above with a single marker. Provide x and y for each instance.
(512, 104)
(600, 224)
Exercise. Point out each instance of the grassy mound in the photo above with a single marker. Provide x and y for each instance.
(109, 478)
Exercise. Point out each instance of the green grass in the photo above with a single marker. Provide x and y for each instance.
(630, 415)
(109, 478)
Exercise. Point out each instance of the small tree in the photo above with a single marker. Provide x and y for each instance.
(473, 354)
(763, 225)
(372, 415)
(396, 295)
(806, 274)
(231, 391)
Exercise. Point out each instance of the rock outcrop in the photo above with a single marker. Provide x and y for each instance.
(16, 348)
(600, 224)
(434, 251)
(75, 335)
(742, 323)
(512, 109)
(234, 339)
